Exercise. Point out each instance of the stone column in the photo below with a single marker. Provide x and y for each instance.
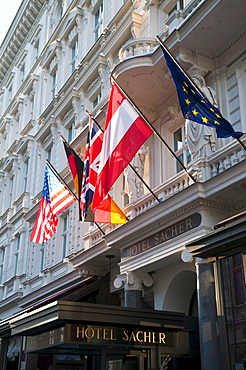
(133, 285)
(207, 316)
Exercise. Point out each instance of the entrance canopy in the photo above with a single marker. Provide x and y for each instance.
(61, 324)
(219, 243)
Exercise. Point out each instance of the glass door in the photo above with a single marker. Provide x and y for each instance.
(126, 360)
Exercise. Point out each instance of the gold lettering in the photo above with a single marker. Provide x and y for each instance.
(112, 334)
(166, 233)
(145, 336)
(188, 224)
(137, 336)
(174, 230)
(132, 337)
(153, 337)
(144, 245)
(129, 252)
(98, 331)
(105, 334)
(162, 337)
(162, 239)
(125, 332)
(80, 331)
(148, 245)
(134, 250)
(157, 239)
(91, 331)
(181, 227)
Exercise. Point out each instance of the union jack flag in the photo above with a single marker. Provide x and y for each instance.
(91, 166)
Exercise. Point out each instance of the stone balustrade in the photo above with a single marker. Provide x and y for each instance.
(136, 47)
(203, 169)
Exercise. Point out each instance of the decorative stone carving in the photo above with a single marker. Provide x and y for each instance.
(102, 68)
(175, 112)
(133, 281)
(201, 139)
(134, 185)
(149, 3)
(136, 24)
(93, 83)
(76, 104)
(136, 3)
(110, 61)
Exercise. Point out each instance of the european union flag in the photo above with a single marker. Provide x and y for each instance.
(194, 105)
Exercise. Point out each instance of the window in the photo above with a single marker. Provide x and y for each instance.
(98, 22)
(181, 148)
(49, 154)
(97, 100)
(238, 279)
(2, 254)
(10, 93)
(42, 257)
(11, 185)
(74, 60)
(178, 6)
(22, 72)
(71, 132)
(64, 236)
(36, 48)
(124, 193)
(53, 85)
(31, 105)
(59, 10)
(16, 257)
(234, 301)
(25, 176)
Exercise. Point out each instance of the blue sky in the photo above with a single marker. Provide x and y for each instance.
(7, 14)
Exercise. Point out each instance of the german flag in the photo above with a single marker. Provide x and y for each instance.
(76, 166)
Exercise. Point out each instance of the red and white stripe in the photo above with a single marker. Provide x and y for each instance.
(125, 132)
(45, 225)
(60, 199)
(55, 198)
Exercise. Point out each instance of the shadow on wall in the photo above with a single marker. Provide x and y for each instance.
(181, 295)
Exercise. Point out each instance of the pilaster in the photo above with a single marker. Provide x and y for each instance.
(133, 283)
(207, 316)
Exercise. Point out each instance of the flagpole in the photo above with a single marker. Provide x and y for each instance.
(60, 178)
(152, 127)
(66, 143)
(64, 183)
(130, 165)
(189, 79)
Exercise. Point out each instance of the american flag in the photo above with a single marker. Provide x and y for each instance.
(54, 199)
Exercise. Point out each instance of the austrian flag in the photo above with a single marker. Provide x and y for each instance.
(125, 132)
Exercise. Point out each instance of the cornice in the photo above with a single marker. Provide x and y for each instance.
(161, 215)
(18, 32)
(231, 44)
(10, 300)
(55, 286)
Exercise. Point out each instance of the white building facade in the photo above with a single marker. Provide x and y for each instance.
(56, 63)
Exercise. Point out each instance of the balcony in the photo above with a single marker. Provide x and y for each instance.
(205, 169)
(137, 47)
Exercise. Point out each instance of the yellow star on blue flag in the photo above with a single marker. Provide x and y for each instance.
(194, 105)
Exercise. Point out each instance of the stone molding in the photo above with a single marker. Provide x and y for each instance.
(133, 281)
